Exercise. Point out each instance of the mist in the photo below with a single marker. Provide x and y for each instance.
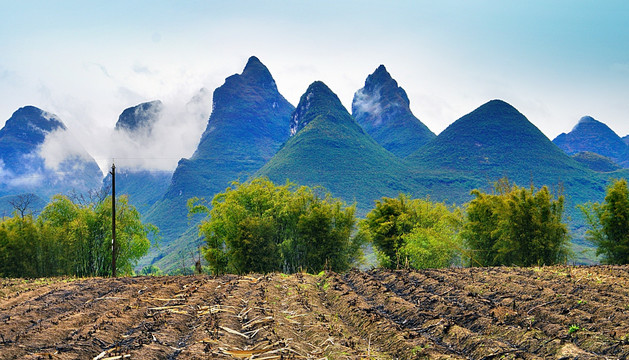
(173, 133)
(365, 103)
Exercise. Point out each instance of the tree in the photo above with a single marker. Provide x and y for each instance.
(261, 227)
(151, 270)
(84, 232)
(413, 232)
(609, 224)
(516, 226)
(22, 202)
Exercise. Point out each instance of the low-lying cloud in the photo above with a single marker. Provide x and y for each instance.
(368, 103)
(172, 134)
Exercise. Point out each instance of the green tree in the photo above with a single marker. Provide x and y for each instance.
(19, 247)
(609, 224)
(516, 226)
(151, 270)
(413, 232)
(262, 227)
(84, 232)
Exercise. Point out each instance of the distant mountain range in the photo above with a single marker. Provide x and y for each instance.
(381, 149)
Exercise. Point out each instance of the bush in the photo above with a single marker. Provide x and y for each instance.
(609, 224)
(516, 226)
(413, 233)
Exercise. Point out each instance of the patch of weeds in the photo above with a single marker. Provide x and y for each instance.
(573, 329)
(581, 302)
(323, 284)
(418, 351)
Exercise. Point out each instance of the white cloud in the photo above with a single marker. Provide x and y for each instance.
(61, 145)
(174, 134)
(11, 180)
(368, 103)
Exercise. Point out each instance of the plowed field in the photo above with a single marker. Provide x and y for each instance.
(478, 313)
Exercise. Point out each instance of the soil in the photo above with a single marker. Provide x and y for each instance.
(464, 313)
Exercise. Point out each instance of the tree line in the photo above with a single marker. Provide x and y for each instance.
(73, 237)
(262, 227)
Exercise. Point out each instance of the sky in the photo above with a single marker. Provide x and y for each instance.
(86, 61)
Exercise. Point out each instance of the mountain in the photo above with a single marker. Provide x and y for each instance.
(626, 139)
(249, 122)
(496, 141)
(39, 155)
(138, 117)
(594, 136)
(382, 109)
(330, 149)
(144, 187)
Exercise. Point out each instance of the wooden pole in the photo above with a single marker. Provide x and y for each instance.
(113, 220)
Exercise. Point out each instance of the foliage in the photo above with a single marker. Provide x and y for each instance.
(516, 226)
(261, 227)
(609, 224)
(573, 329)
(72, 239)
(413, 232)
(151, 270)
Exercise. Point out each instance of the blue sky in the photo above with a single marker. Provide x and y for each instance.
(86, 61)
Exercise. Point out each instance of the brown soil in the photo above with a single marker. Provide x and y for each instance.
(477, 313)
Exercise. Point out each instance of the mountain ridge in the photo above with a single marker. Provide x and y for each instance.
(329, 149)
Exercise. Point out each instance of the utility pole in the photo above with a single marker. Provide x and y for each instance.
(113, 219)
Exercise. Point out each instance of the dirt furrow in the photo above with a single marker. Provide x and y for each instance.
(559, 312)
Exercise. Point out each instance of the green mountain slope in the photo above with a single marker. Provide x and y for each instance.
(493, 141)
(330, 149)
(249, 121)
(381, 107)
(594, 136)
(596, 162)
